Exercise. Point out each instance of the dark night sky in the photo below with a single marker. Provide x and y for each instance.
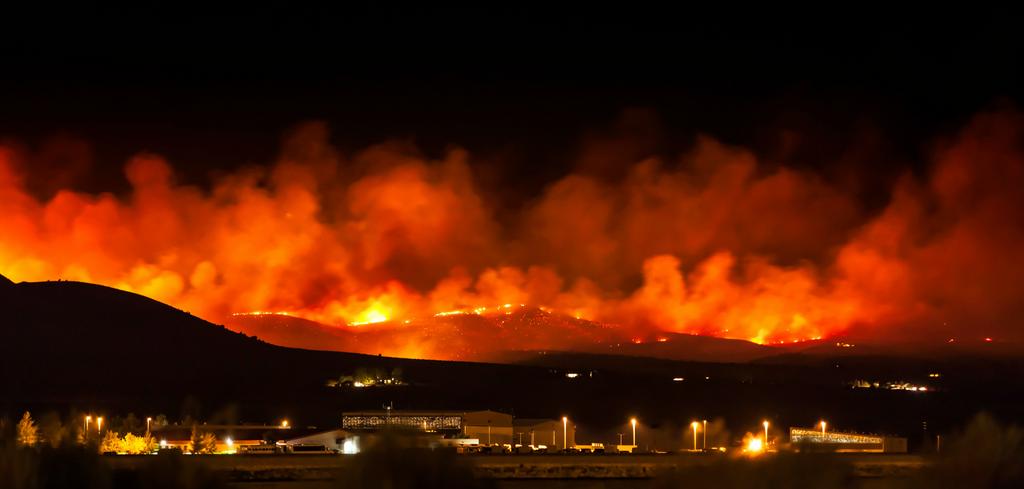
(217, 88)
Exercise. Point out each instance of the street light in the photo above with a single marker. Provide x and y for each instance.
(87, 419)
(565, 433)
(823, 432)
(285, 424)
(705, 434)
(694, 436)
(634, 431)
(99, 424)
(766, 433)
(148, 420)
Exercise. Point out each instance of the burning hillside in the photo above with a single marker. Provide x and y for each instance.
(465, 336)
(711, 242)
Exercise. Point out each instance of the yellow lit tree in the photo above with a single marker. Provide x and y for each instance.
(28, 432)
(110, 443)
(137, 445)
(201, 441)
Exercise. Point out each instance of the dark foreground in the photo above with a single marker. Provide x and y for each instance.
(532, 471)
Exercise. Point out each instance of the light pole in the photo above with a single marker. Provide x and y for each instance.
(694, 436)
(823, 432)
(634, 431)
(705, 434)
(87, 419)
(766, 434)
(99, 424)
(148, 420)
(565, 433)
(620, 438)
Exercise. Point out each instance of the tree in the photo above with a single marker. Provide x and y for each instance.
(201, 441)
(137, 445)
(160, 420)
(51, 430)
(28, 432)
(270, 438)
(132, 425)
(110, 443)
(362, 376)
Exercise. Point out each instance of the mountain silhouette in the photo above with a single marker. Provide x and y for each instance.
(86, 344)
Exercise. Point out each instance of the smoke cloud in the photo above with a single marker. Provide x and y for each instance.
(711, 242)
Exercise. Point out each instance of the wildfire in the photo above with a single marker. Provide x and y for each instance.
(718, 244)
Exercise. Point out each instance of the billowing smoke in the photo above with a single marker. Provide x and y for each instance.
(711, 242)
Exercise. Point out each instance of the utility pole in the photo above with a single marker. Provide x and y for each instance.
(620, 438)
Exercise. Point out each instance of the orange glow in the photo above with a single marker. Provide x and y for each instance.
(710, 242)
(753, 445)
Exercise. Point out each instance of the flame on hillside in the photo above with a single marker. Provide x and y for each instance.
(719, 243)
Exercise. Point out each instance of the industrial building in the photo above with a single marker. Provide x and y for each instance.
(803, 438)
(488, 427)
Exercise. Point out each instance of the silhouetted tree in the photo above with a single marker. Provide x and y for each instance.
(270, 438)
(28, 432)
(51, 429)
(132, 425)
(396, 375)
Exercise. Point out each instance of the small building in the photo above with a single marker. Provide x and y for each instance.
(844, 442)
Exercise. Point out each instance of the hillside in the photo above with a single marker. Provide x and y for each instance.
(85, 344)
(506, 335)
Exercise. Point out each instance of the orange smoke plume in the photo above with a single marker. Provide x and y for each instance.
(715, 243)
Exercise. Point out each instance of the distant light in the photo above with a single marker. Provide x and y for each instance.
(163, 443)
(754, 445)
(230, 443)
(988, 339)
(662, 339)
(572, 375)
(285, 424)
(678, 379)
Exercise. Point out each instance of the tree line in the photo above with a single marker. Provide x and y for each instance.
(128, 435)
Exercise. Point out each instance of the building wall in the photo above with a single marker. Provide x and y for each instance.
(548, 433)
(497, 436)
